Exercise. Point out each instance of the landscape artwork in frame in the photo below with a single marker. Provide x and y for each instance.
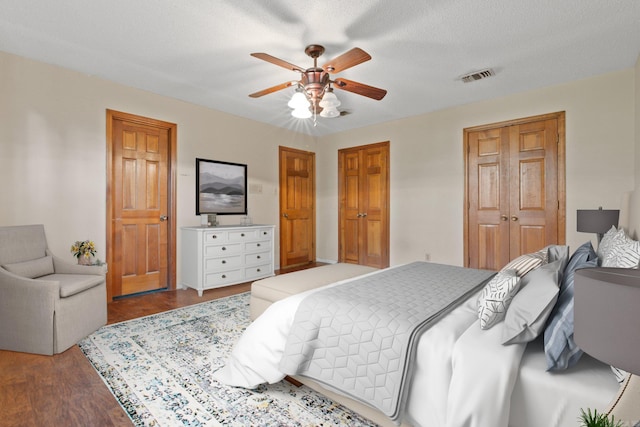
(221, 188)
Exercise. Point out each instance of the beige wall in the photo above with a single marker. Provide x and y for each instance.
(427, 163)
(634, 220)
(53, 156)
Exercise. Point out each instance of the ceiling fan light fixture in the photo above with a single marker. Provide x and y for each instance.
(301, 113)
(329, 112)
(299, 101)
(329, 100)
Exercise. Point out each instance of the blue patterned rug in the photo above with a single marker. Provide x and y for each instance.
(158, 367)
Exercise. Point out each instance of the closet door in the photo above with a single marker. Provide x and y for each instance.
(514, 189)
(364, 205)
(488, 194)
(533, 186)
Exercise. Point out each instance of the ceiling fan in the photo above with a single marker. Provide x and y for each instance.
(316, 86)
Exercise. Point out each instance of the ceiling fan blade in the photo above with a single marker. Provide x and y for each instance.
(347, 60)
(277, 61)
(360, 88)
(272, 89)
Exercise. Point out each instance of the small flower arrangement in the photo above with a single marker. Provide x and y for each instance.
(85, 249)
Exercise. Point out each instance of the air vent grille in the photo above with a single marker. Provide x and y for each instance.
(477, 75)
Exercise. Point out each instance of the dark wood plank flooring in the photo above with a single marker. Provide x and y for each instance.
(65, 390)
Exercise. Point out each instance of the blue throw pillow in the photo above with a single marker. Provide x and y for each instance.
(560, 349)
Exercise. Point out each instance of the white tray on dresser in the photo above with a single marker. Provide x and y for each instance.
(213, 257)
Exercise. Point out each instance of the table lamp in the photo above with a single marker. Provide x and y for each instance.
(607, 327)
(597, 221)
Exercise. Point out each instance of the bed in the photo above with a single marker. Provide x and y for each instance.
(462, 374)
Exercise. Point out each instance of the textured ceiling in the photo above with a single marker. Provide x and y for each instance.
(198, 50)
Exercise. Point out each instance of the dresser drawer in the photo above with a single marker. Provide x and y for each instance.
(214, 237)
(211, 279)
(265, 233)
(258, 271)
(242, 235)
(224, 263)
(222, 250)
(257, 258)
(257, 246)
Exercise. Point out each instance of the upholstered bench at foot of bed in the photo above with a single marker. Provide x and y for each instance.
(267, 291)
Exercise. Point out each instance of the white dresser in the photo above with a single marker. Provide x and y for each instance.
(219, 256)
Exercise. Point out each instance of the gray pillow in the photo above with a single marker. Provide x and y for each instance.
(531, 306)
(33, 268)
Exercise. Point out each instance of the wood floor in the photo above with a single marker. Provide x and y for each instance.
(65, 390)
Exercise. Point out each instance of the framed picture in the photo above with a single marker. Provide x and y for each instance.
(221, 188)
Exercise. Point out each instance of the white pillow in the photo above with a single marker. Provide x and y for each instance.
(531, 306)
(496, 297)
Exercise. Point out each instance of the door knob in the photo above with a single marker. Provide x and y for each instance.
(504, 217)
(163, 217)
(286, 215)
(514, 218)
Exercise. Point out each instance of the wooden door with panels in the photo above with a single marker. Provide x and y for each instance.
(141, 231)
(515, 189)
(363, 194)
(297, 207)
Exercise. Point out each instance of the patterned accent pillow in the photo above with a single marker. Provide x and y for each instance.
(527, 262)
(560, 349)
(625, 254)
(496, 296)
(611, 239)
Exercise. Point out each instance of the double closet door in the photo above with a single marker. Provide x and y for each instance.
(363, 181)
(515, 189)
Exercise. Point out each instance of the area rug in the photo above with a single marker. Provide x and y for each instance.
(159, 368)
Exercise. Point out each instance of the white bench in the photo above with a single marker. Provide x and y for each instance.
(267, 291)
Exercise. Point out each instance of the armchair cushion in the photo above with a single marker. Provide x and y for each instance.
(31, 269)
(71, 284)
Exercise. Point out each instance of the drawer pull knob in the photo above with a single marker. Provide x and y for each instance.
(224, 261)
(258, 270)
(242, 235)
(264, 232)
(258, 244)
(258, 256)
(224, 248)
(214, 237)
(224, 276)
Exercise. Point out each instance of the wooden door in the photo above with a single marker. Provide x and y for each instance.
(515, 195)
(140, 215)
(363, 195)
(297, 207)
(489, 226)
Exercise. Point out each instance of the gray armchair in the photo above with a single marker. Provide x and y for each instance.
(46, 304)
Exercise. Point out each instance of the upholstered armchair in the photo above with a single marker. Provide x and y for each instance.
(46, 304)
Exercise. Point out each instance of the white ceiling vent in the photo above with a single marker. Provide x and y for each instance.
(477, 75)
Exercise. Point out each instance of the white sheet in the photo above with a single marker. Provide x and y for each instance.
(485, 400)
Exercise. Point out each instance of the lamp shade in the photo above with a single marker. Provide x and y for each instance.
(606, 320)
(298, 101)
(301, 113)
(329, 100)
(597, 220)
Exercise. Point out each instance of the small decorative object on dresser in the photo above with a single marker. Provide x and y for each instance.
(213, 257)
